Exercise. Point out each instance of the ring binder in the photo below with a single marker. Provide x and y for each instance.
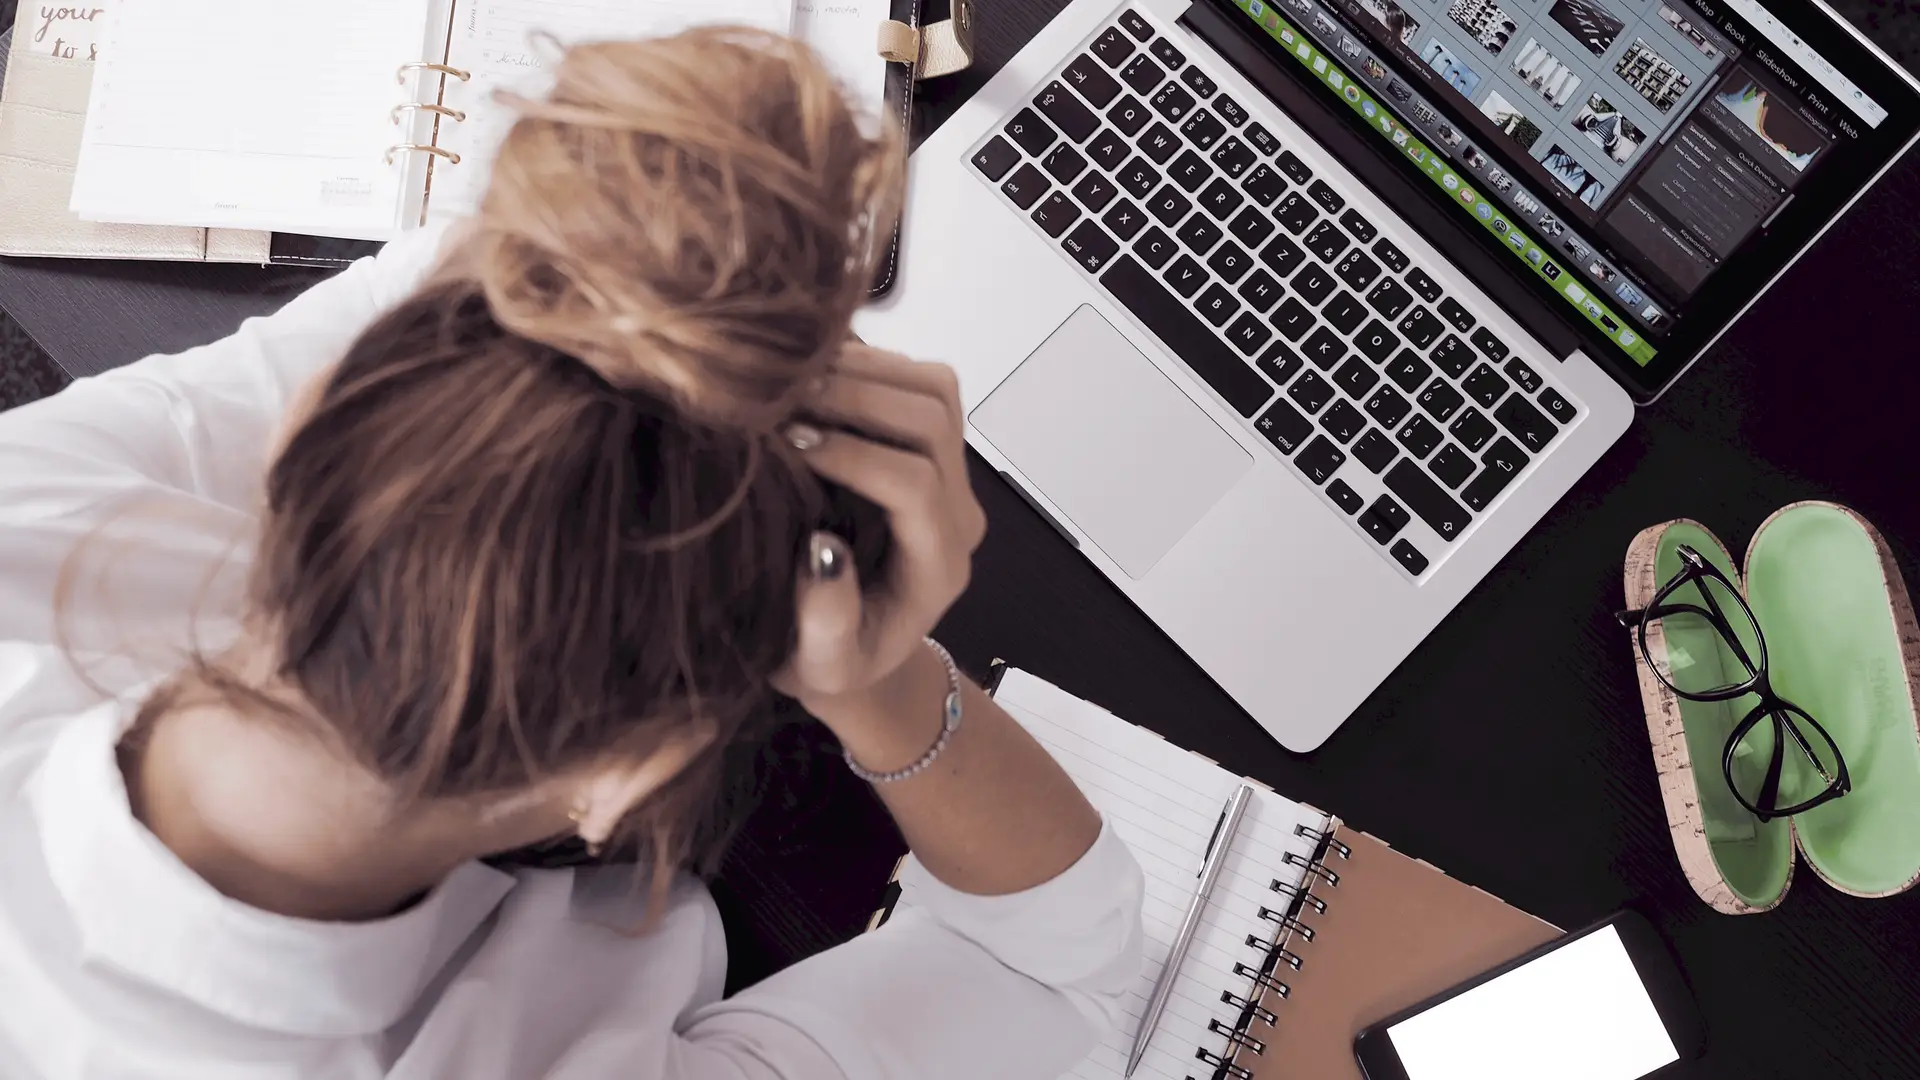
(424, 148)
(400, 73)
(1249, 1005)
(1311, 866)
(1224, 1065)
(1287, 922)
(1237, 1037)
(1318, 905)
(1326, 840)
(456, 115)
(1262, 979)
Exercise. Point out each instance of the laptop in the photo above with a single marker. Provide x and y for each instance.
(1295, 315)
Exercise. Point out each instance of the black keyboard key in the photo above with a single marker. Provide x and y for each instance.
(1376, 341)
(1138, 178)
(1357, 270)
(1064, 162)
(1159, 143)
(1280, 363)
(1059, 105)
(1284, 427)
(1168, 55)
(1234, 158)
(1429, 500)
(1451, 466)
(1419, 436)
(1327, 241)
(1528, 424)
(1472, 428)
(1356, 378)
(1420, 327)
(1185, 276)
(1343, 422)
(1345, 497)
(1125, 219)
(1296, 212)
(1090, 247)
(1495, 349)
(1155, 248)
(1199, 234)
(1189, 170)
(1452, 356)
(1344, 311)
(1261, 291)
(1312, 392)
(1211, 359)
(1221, 199)
(1091, 81)
(1129, 115)
(1384, 519)
(1427, 288)
(1203, 129)
(1032, 133)
(1217, 305)
(1326, 196)
(1314, 283)
(1262, 139)
(1168, 205)
(1231, 262)
(1108, 150)
(1095, 192)
(1324, 349)
(1199, 82)
(1440, 400)
(1409, 556)
(1229, 110)
(1251, 228)
(1485, 386)
(1172, 101)
(1360, 227)
(1460, 317)
(1142, 74)
(1388, 407)
(1264, 185)
(1408, 371)
(1026, 186)
(1557, 407)
(1389, 298)
(1135, 24)
(1294, 319)
(1248, 333)
(1394, 259)
(1320, 460)
(1113, 47)
(1055, 213)
(1519, 372)
(1295, 168)
(994, 159)
(1375, 451)
(1500, 465)
(1282, 256)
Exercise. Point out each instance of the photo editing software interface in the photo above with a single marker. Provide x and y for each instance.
(1622, 150)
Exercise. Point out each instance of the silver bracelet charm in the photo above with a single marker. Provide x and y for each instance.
(950, 723)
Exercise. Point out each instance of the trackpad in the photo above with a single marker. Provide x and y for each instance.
(1127, 456)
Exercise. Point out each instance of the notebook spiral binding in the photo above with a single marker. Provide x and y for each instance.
(440, 113)
(1275, 954)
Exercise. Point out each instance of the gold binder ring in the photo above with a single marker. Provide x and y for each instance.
(401, 148)
(400, 76)
(455, 115)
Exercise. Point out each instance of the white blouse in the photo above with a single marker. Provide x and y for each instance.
(116, 961)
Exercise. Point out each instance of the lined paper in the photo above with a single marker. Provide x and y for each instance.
(1164, 802)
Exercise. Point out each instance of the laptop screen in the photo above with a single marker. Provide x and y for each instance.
(1650, 164)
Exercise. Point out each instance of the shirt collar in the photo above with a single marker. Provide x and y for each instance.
(140, 911)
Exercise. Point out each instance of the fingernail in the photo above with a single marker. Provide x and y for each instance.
(805, 437)
(826, 558)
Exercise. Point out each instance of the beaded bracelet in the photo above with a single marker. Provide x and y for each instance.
(950, 716)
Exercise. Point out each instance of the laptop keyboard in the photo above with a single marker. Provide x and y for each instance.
(1380, 389)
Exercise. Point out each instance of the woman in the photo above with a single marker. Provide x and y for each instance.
(501, 538)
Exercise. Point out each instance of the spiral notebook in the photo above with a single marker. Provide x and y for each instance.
(1314, 930)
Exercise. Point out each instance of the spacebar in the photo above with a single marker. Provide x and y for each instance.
(1190, 339)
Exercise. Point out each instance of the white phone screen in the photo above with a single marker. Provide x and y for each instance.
(1579, 1012)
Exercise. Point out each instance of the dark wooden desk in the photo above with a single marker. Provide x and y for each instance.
(1509, 748)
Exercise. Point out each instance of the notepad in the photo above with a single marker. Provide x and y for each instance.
(1314, 931)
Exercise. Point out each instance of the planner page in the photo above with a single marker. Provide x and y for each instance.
(251, 115)
(1165, 802)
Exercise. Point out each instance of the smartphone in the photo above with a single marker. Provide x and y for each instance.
(1607, 1003)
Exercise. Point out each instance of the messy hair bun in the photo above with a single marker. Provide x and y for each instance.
(716, 264)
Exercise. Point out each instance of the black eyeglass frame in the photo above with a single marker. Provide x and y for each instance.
(1771, 704)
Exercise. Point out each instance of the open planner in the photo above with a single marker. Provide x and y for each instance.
(1313, 931)
(362, 118)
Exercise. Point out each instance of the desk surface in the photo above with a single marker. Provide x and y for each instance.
(1510, 747)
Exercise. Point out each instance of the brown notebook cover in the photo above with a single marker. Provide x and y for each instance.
(1395, 931)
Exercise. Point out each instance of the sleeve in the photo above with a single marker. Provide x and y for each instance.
(957, 987)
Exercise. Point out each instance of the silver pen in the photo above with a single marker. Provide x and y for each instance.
(1209, 873)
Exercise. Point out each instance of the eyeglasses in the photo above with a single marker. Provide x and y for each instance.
(1711, 639)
